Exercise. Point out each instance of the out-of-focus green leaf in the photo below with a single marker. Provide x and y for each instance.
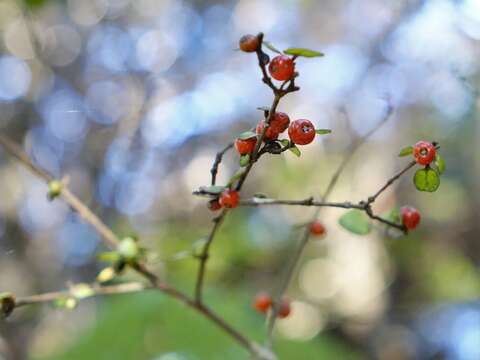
(356, 222)
(284, 142)
(323, 131)
(426, 180)
(406, 151)
(440, 164)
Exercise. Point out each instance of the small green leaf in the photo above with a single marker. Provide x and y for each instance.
(394, 215)
(81, 291)
(440, 164)
(356, 222)
(108, 256)
(198, 247)
(284, 142)
(260, 195)
(213, 189)
(295, 150)
(269, 45)
(323, 131)
(406, 151)
(244, 160)
(65, 302)
(235, 177)
(303, 52)
(246, 135)
(426, 180)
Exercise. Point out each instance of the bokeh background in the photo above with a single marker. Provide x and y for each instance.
(132, 98)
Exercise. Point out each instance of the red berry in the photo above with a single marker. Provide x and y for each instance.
(280, 122)
(245, 146)
(229, 198)
(270, 134)
(301, 132)
(284, 308)
(424, 152)
(263, 301)
(317, 228)
(249, 43)
(282, 67)
(214, 205)
(410, 217)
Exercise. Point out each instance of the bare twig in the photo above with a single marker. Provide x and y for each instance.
(218, 160)
(112, 240)
(96, 289)
(295, 257)
(372, 199)
(203, 257)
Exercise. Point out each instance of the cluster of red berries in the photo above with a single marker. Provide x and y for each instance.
(300, 132)
(410, 217)
(424, 152)
(228, 198)
(263, 302)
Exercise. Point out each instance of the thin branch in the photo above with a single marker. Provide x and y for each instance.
(15, 150)
(255, 202)
(295, 257)
(218, 160)
(97, 290)
(112, 240)
(278, 94)
(203, 257)
(372, 199)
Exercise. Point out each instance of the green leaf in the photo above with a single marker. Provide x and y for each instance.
(426, 180)
(440, 164)
(295, 150)
(260, 195)
(65, 302)
(269, 45)
(212, 189)
(244, 160)
(303, 52)
(246, 135)
(235, 177)
(356, 222)
(284, 142)
(323, 131)
(406, 151)
(108, 256)
(81, 291)
(394, 215)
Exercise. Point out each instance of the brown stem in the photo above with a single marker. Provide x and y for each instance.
(218, 160)
(203, 257)
(295, 257)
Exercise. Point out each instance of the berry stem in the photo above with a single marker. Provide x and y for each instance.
(394, 178)
(218, 160)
